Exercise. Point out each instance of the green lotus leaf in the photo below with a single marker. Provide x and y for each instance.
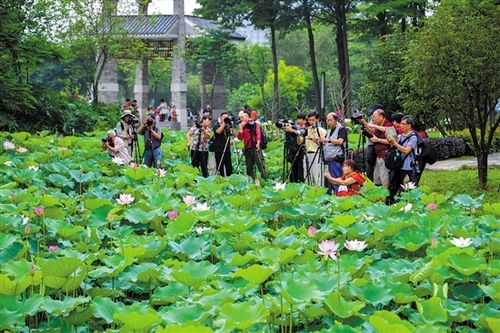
(410, 239)
(105, 308)
(138, 174)
(137, 215)
(345, 204)
(341, 307)
(243, 315)
(65, 306)
(196, 248)
(181, 225)
(184, 314)
(492, 290)
(80, 177)
(20, 137)
(403, 293)
(55, 213)
(240, 260)
(148, 272)
(194, 274)
(385, 321)
(432, 311)
(12, 310)
(339, 328)
(169, 293)
(95, 203)
(221, 297)
(136, 321)
(466, 264)
(301, 291)
(255, 274)
(184, 328)
(458, 311)
(344, 220)
(99, 215)
(237, 224)
(429, 328)
(80, 315)
(10, 247)
(48, 201)
(494, 209)
(63, 273)
(14, 286)
(60, 181)
(374, 294)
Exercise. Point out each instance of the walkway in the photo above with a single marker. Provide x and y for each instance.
(457, 163)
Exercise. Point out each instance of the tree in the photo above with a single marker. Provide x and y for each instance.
(452, 70)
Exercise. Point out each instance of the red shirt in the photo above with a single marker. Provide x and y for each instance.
(246, 136)
(381, 148)
(354, 187)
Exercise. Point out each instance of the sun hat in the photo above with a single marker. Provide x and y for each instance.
(126, 113)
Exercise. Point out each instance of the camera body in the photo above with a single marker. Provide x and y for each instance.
(250, 125)
(283, 123)
(131, 120)
(356, 117)
(150, 122)
(366, 134)
(108, 140)
(228, 121)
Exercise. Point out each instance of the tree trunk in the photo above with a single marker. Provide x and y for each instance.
(403, 24)
(276, 97)
(343, 56)
(382, 23)
(482, 167)
(314, 68)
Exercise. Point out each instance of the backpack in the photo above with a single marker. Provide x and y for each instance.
(393, 159)
(264, 140)
(426, 151)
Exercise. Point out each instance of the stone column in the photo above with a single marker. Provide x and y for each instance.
(218, 103)
(141, 87)
(107, 89)
(178, 87)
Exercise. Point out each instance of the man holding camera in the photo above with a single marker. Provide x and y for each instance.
(198, 136)
(313, 162)
(125, 130)
(223, 134)
(294, 146)
(152, 142)
(116, 147)
(334, 148)
(250, 133)
(380, 144)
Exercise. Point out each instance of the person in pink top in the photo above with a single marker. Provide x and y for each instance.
(250, 133)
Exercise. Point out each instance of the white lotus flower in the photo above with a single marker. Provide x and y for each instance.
(7, 145)
(161, 172)
(406, 208)
(25, 219)
(368, 217)
(22, 150)
(118, 160)
(200, 230)
(355, 245)
(461, 242)
(201, 207)
(125, 199)
(408, 186)
(279, 186)
(189, 200)
(328, 248)
(8, 163)
(33, 167)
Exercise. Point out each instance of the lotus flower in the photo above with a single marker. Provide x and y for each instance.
(461, 242)
(355, 245)
(38, 211)
(431, 206)
(406, 208)
(21, 150)
(63, 148)
(369, 217)
(109, 217)
(328, 248)
(311, 231)
(25, 219)
(7, 163)
(7, 145)
(32, 270)
(189, 200)
(408, 186)
(201, 207)
(27, 229)
(434, 242)
(134, 165)
(125, 199)
(53, 248)
(118, 160)
(33, 167)
(161, 172)
(279, 186)
(200, 230)
(257, 182)
(172, 214)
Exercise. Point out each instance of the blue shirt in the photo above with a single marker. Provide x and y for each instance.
(410, 142)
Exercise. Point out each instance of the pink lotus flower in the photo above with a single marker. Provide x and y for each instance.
(431, 206)
(355, 245)
(21, 150)
(328, 248)
(38, 211)
(257, 182)
(172, 214)
(311, 231)
(161, 172)
(7, 145)
(53, 248)
(189, 200)
(125, 199)
(461, 242)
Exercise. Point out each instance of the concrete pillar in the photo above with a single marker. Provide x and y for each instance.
(218, 103)
(142, 6)
(141, 87)
(107, 89)
(178, 87)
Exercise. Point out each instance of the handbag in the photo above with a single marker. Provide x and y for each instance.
(333, 152)
(393, 159)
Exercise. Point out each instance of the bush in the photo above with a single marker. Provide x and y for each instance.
(465, 135)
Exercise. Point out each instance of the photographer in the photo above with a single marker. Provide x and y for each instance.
(313, 158)
(116, 147)
(152, 142)
(294, 146)
(198, 136)
(380, 144)
(335, 146)
(250, 133)
(125, 130)
(223, 134)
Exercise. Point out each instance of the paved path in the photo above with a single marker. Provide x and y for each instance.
(455, 164)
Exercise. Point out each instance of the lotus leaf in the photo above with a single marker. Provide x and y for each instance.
(193, 313)
(195, 248)
(181, 226)
(341, 307)
(137, 322)
(344, 220)
(301, 291)
(466, 264)
(410, 239)
(10, 248)
(13, 310)
(432, 311)
(194, 274)
(64, 273)
(65, 306)
(374, 294)
(243, 315)
(492, 290)
(185, 328)
(385, 321)
(169, 293)
(105, 308)
(255, 274)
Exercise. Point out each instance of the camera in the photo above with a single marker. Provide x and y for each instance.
(250, 125)
(282, 123)
(131, 120)
(150, 122)
(228, 121)
(108, 140)
(366, 133)
(356, 117)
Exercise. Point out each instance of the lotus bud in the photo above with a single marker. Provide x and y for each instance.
(311, 231)
(434, 242)
(38, 211)
(32, 270)
(27, 229)
(431, 206)
(53, 248)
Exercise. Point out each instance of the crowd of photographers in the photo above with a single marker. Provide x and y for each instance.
(313, 154)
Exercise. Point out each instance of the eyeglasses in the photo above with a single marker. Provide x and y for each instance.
(405, 124)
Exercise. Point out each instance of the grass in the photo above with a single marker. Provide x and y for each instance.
(463, 181)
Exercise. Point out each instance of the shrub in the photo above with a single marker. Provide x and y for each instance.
(465, 135)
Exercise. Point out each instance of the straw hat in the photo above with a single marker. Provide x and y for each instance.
(126, 113)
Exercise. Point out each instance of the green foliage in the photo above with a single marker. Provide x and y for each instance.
(243, 95)
(465, 134)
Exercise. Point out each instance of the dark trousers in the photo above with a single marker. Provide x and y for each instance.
(335, 169)
(254, 157)
(223, 162)
(199, 159)
(297, 168)
(396, 178)
(371, 158)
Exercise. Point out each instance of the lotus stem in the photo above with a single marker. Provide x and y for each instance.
(338, 275)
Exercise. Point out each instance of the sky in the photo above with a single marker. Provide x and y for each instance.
(167, 6)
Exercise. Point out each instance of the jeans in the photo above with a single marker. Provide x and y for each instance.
(335, 169)
(152, 158)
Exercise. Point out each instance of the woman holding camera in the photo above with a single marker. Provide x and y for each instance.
(116, 147)
(198, 136)
(152, 142)
(223, 134)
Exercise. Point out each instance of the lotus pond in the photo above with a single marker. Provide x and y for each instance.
(88, 245)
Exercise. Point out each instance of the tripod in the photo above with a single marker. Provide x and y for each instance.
(136, 150)
(318, 154)
(295, 160)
